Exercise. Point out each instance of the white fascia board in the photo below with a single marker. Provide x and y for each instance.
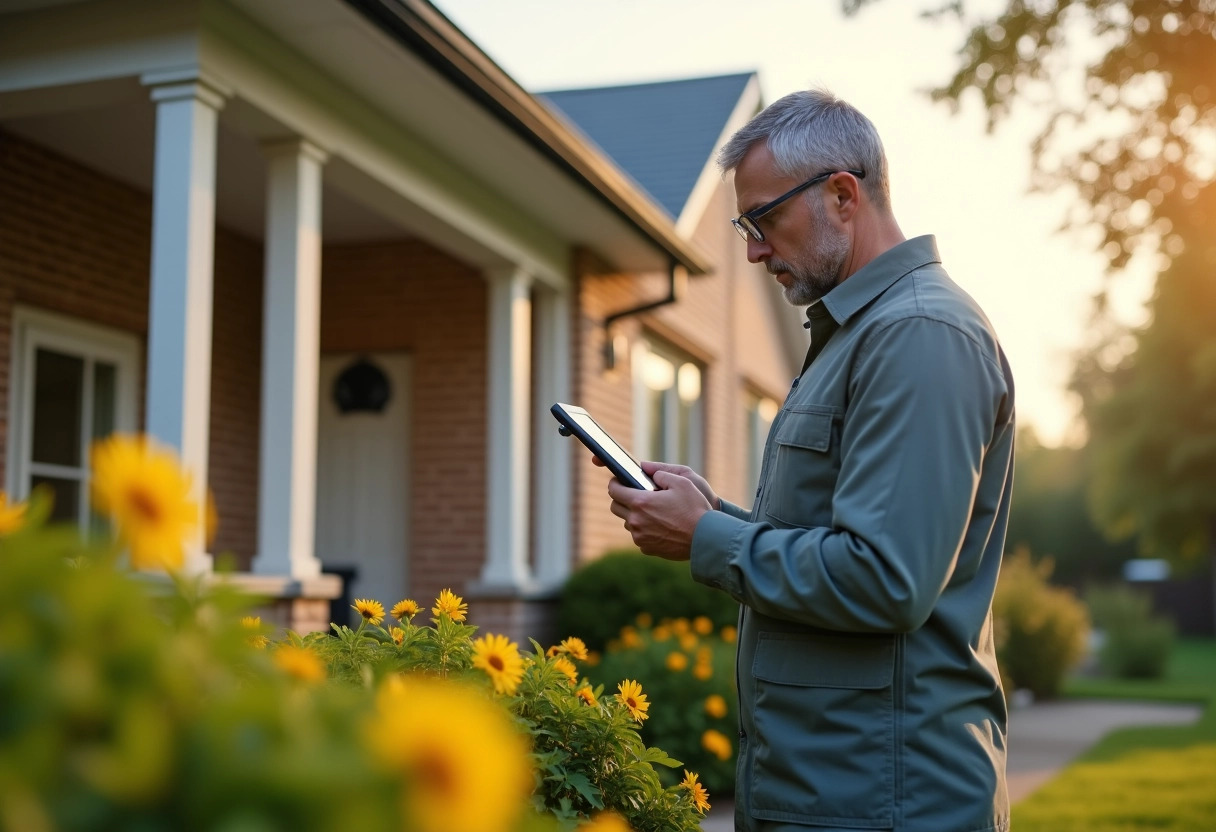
(710, 177)
(308, 102)
(87, 42)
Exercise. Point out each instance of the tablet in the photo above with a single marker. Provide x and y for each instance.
(575, 420)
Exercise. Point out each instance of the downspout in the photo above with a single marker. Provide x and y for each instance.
(677, 280)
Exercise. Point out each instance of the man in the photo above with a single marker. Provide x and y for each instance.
(868, 687)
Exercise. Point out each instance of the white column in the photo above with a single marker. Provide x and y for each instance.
(183, 240)
(291, 327)
(508, 431)
(553, 452)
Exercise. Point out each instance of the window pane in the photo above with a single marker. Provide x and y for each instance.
(105, 397)
(67, 497)
(58, 395)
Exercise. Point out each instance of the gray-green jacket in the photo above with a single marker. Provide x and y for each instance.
(868, 686)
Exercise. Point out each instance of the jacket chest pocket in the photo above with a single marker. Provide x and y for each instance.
(805, 465)
(824, 745)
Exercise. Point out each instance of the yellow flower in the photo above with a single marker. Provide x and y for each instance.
(299, 662)
(593, 658)
(252, 622)
(700, 797)
(463, 764)
(644, 619)
(567, 667)
(574, 647)
(703, 671)
(397, 635)
(144, 490)
(676, 661)
(372, 611)
(702, 625)
(661, 632)
(729, 634)
(630, 637)
(681, 626)
(715, 706)
(451, 605)
(587, 695)
(12, 515)
(688, 641)
(499, 657)
(606, 822)
(404, 610)
(256, 639)
(717, 743)
(631, 697)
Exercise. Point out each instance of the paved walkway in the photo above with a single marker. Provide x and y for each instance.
(1043, 739)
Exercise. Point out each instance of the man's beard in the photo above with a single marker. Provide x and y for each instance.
(820, 271)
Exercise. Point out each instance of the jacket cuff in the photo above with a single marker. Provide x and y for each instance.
(714, 542)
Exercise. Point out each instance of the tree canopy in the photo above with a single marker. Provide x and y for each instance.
(1127, 89)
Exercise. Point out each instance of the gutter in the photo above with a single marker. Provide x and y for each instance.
(426, 32)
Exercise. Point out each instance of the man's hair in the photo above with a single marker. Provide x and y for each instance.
(810, 132)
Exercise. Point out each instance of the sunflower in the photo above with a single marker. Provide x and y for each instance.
(372, 611)
(717, 743)
(574, 647)
(606, 822)
(700, 797)
(499, 657)
(12, 515)
(676, 661)
(631, 697)
(404, 610)
(462, 762)
(451, 605)
(715, 706)
(587, 695)
(299, 662)
(397, 635)
(147, 494)
(567, 667)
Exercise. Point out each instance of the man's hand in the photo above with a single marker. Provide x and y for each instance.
(662, 522)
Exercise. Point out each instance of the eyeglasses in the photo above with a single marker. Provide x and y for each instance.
(746, 224)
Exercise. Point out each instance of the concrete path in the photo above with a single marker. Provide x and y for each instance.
(1043, 739)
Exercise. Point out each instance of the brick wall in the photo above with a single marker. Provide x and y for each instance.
(78, 243)
(411, 297)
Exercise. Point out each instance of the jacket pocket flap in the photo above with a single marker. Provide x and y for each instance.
(825, 661)
(806, 430)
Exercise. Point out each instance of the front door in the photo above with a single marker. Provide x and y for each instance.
(363, 483)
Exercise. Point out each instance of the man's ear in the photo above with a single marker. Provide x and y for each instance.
(845, 191)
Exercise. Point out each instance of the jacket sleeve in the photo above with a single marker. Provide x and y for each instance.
(922, 408)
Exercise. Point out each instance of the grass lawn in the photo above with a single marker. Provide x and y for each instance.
(1155, 778)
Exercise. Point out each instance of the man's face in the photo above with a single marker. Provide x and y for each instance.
(802, 248)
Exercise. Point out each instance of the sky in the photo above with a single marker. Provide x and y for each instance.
(949, 177)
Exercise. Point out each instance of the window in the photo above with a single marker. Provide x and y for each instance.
(667, 405)
(73, 383)
(761, 411)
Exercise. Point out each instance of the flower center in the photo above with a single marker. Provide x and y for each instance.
(497, 663)
(144, 503)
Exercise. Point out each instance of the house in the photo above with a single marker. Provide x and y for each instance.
(339, 260)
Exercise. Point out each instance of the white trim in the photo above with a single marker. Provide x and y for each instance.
(710, 178)
(33, 328)
(553, 487)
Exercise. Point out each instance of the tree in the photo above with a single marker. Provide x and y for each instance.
(1135, 139)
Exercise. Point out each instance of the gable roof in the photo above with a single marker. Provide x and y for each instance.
(662, 134)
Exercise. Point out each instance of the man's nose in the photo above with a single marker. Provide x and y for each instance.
(757, 251)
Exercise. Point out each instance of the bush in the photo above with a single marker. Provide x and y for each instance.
(608, 593)
(1135, 643)
(689, 669)
(1041, 630)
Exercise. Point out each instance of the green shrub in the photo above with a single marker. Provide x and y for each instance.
(610, 592)
(1042, 630)
(687, 669)
(1136, 644)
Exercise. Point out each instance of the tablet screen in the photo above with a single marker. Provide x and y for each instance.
(606, 442)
